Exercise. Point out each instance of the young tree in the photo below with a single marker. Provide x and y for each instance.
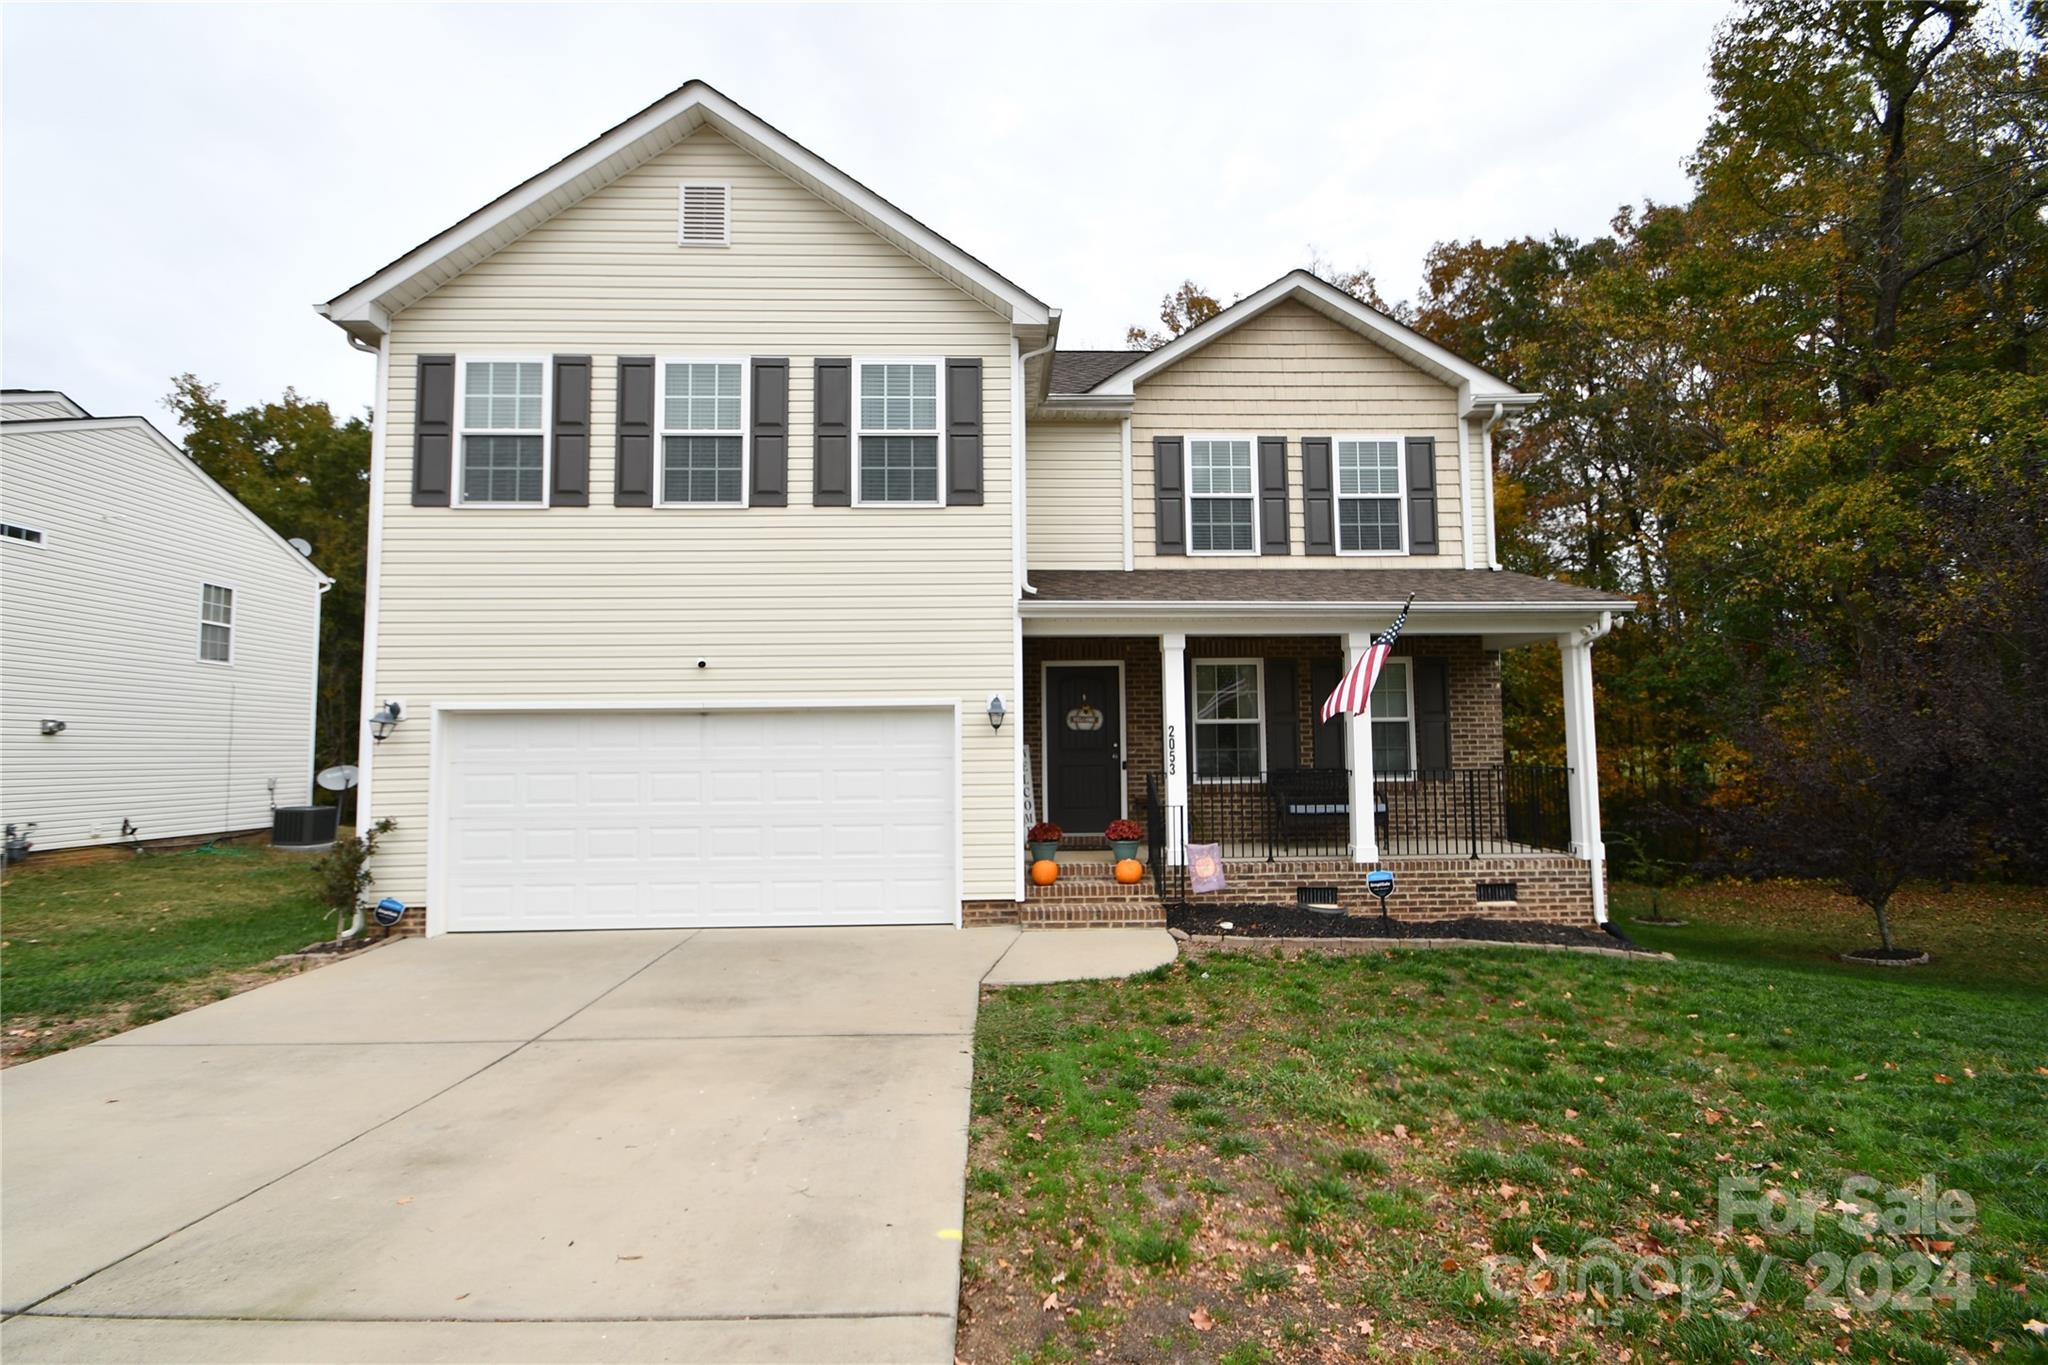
(307, 475)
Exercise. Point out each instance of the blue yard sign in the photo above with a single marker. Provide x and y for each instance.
(1381, 883)
(390, 911)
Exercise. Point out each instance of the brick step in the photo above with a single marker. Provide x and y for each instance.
(1080, 914)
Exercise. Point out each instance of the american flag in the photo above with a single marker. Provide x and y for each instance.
(1354, 694)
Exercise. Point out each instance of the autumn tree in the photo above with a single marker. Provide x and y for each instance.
(1190, 305)
(306, 474)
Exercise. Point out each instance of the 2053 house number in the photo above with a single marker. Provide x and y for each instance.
(1172, 751)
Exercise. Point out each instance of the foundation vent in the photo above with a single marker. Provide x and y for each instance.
(1497, 891)
(1322, 898)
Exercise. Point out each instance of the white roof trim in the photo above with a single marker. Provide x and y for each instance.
(10, 397)
(364, 310)
(1476, 388)
(177, 453)
(1152, 607)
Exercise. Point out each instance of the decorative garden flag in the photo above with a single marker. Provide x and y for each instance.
(1354, 693)
(1205, 867)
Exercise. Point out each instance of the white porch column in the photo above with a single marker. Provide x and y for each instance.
(1582, 755)
(1365, 834)
(1178, 744)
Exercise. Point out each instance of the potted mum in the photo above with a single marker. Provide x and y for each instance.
(1044, 839)
(1123, 836)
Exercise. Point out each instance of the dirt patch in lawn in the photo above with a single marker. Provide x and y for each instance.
(1286, 921)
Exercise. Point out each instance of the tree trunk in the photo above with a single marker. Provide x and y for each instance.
(1884, 927)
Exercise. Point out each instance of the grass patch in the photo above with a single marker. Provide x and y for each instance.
(94, 947)
(1394, 1119)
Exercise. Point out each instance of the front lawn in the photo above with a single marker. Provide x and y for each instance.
(1240, 1159)
(92, 948)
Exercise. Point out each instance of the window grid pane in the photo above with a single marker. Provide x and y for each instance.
(1368, 468)
(701, 397)
(501, 395)
(899, 397)
(700, 469)
(1220, 524)
(1227, 750)
(1390, 746)
(213, 643)
(899, 468)
(501, 469)
(1220, 467)
(1369, 523)
(216, 605)
(1227, 692)
(1390, 691)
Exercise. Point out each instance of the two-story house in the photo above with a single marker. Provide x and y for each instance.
(745, 553)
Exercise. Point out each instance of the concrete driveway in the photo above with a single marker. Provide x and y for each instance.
(721, 1145)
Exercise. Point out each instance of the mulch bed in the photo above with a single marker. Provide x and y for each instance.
(1287, 921)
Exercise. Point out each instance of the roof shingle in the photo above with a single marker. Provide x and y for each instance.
(1080, 371)
(1350, 587)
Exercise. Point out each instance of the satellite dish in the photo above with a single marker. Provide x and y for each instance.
(339, 778)
(302, 545)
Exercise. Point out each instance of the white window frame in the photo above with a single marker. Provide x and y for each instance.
(1337, 497)
(663, 431)
(1195, 721)
(1187, 486)
(1407, 663)
(37, 537)
(683, 188)
(234, 593)
(860, 432)
(462, 430)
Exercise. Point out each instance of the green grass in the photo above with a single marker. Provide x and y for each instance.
(1292, 1148)
(93, 947)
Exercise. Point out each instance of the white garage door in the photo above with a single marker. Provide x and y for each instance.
(636, 820)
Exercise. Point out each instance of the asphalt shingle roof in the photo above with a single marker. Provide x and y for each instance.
(1080, 371)
(1390, 587)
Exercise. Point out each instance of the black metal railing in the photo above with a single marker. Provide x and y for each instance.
(1306, 813)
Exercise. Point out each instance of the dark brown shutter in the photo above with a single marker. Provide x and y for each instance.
(569, 478)
(1283, 717)
(1319, 509)
(1421, 495)
(832, 434)
(1432, 714)
(1329, 734)
(963, 433)
(1170, 535)
(433, 432)
(769, 458)
(633, 475)
(1274, 538)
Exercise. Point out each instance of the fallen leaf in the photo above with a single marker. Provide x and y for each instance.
(1541, 1281)
(636, 1256)
(1401, 1131)
(1200, 1320)
(1364, 1327)
(1940, 1079)
(1448, 1265)
(1052, 1302)
(1712, 1116)
(1571, 1113)
(1860, 1076)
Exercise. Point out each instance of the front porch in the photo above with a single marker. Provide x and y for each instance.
(1203, 728)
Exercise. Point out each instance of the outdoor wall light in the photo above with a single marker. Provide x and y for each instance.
(996, 712)
(53, 727)
(385, 720)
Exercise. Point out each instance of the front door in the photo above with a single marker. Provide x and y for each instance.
(1084, 761)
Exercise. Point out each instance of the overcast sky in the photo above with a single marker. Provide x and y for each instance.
(181, 184)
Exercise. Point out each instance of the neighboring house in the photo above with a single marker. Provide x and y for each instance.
(719, 503)
(157, 640)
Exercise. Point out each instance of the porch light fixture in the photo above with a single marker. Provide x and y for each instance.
(53, 727)
(996, 712)
(385, 721)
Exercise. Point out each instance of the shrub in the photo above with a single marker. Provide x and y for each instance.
(1045, 832)
(1123, 829)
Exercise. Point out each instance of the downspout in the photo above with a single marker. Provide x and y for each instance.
(1486, 452)
(1023, 501)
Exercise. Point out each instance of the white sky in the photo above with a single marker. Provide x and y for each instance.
(178, 185)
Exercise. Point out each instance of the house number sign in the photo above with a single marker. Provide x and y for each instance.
(1172, 751)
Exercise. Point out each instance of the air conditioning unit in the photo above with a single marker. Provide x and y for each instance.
(304, 828)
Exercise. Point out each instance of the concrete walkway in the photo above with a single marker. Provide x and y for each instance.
(723, 1145)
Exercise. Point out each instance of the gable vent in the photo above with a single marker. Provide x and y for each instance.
(706, 215)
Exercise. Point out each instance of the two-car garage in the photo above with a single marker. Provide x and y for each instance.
(629, 819)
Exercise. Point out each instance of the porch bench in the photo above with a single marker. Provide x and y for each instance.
(1306, 794)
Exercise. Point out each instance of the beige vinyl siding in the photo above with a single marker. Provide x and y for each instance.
(1479, 473)
(102, 633)
(1293, 372)
(607, 604)
(1075, 507)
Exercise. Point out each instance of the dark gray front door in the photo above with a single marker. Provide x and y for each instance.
(1083, 748)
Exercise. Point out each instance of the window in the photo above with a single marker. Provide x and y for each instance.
(704, 214)
(27, 535)
(216, 624)
(1220, 495)
(703, 421)
(504, 457)
(1229, 724)
(1368, 495)
(1393, 721)
(899, 432)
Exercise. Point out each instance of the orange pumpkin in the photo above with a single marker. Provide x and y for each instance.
(1044, 872)
(1130, 871)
